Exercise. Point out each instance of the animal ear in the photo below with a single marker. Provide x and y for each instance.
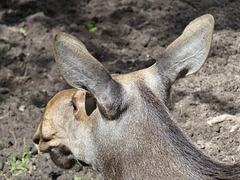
(187, 53)
(83, 71)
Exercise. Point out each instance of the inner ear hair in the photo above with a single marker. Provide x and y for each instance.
(90, 103)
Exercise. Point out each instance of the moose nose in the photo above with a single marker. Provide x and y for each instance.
(36, 138)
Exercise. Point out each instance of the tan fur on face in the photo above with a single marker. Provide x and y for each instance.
(79, 101)
(64, 121)
(52, 128)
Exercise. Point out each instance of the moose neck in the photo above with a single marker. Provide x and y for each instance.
(158, 148)
(203, 165)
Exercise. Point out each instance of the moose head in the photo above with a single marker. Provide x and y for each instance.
(119, 124)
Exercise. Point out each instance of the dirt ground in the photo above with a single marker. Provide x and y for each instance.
(126, 35)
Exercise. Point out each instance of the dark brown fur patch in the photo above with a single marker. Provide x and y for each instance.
(62, 157)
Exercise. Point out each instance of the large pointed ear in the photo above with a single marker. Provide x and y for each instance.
(83, 71)
(187, 53)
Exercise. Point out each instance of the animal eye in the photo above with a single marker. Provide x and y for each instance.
(73, 105)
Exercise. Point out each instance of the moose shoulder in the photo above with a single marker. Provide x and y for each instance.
(119, 124)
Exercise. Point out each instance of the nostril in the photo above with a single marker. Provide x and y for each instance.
(36, 139)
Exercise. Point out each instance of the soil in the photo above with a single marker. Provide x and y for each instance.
(130, 35)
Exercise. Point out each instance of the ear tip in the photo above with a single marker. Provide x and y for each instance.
(204, 23)
(59, 36)
(209, 18)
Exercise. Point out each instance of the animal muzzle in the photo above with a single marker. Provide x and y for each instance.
(62, 157)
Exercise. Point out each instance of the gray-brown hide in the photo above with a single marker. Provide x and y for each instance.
(119, 124)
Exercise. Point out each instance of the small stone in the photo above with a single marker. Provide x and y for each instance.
(22, 108)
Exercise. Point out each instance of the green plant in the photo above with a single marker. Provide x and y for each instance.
(20, 165)
(77, 178)
(43, 106)
(4, 149)
(23, 31)
(1, 144)
(91, 27)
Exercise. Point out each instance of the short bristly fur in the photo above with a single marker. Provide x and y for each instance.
(119, 124)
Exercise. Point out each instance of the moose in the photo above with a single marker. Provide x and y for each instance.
(119, 124)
